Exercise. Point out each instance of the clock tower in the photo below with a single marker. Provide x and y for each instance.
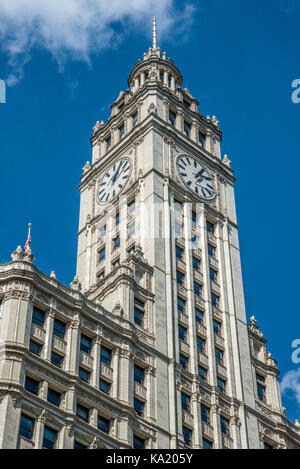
(158, 246)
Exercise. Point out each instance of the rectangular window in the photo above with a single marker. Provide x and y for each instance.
(82, 412)
(108, 143)
(117, 219)
(197, 289)
(185, 402)
(184, 361)
(117, 242)
(178, 207)
(54, 397)
(219, 356)
(172, 117)
(199, 316)
(49, 439)
(139, 311)
(131, 207)
(202, 372)
(224, 425)
(84, 375)
(102, 255)
(105, 356)
(102, 231)
(212, 275)
(187, 128)
(104, 386)
(32, 385)
(217, 327)
(215, 301)
(261, 392)
(211, 250)
(138, 443)
(134, 119)
(56, 359)
(138, 407)
(38, 317)
(178, 229)
(200, 344)
(78, 445)
(182, 332)
(267, 446)
(187, 435)
(221, 384)
(181, 304)
(201, 139)
(103, 424)
(85, 344)
(35, 348)
(205, 413)
(59, 328)
(26, 426)
(210, 227)
(139, 374)
(194, 217)
(206, 444)
(179, 278)
(179, 252)
(122, 130)
(196, 264)
(131, 230)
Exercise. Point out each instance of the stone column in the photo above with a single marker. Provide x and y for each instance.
(196, 412)
(150, 413)
(173, 84)
(215, 421)
(39, 430)
(116, 386)
(166, 78)
(96, 362)
(179, 120)
(49, 333)
(10, 414)
(72, 356)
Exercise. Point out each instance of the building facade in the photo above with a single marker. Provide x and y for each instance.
(149, 347)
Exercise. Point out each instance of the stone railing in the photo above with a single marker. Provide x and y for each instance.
(221, 370)
(198, 275)
(24, 443)
(181, 289)
(227, 441)
(199, 301)
(115, 253)
(180, 263)
(140, 390)
(86, 360)
(59, 344)
(202, 358)
(182, 317)
(211, 238)
(37, 332)
(201, 329)
(197, 252)
(215, 287)
(207, 430)
(217, 313)
(213, 262)
(106, 371)
(219, 340)
(187, 418)
(184, 347)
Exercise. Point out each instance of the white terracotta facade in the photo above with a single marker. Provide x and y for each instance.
(208, 379)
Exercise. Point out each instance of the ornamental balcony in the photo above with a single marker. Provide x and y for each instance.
(38, 333)
(106, 371)
(86, 360)
(212, 239)
(203, 359)
(198, 275)
(181, 289)
(199, 301)
(140, 391)
(58, 344)
(200, 329)
(219, 340)
(217, 313)
(215, 287)
(24, 443)
(221, 370)
(183, 318)
(184, 347)
(213, 262)
(227, 441)
(207, 430)
(187, 418)
(180, 264)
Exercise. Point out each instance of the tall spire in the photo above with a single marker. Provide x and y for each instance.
(154, 34)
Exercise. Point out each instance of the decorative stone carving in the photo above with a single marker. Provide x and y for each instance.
(75, 285)
(17, 255)
(86, 167)
(226, 161)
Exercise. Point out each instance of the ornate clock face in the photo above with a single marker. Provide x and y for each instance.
(114, 180)
(195, 176)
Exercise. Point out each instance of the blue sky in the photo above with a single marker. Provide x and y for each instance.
(237, 58)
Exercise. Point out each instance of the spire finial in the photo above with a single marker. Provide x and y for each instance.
(154, 35)
(27, 245)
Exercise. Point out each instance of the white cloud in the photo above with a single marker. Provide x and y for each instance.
(291, 382)
(75, 29)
